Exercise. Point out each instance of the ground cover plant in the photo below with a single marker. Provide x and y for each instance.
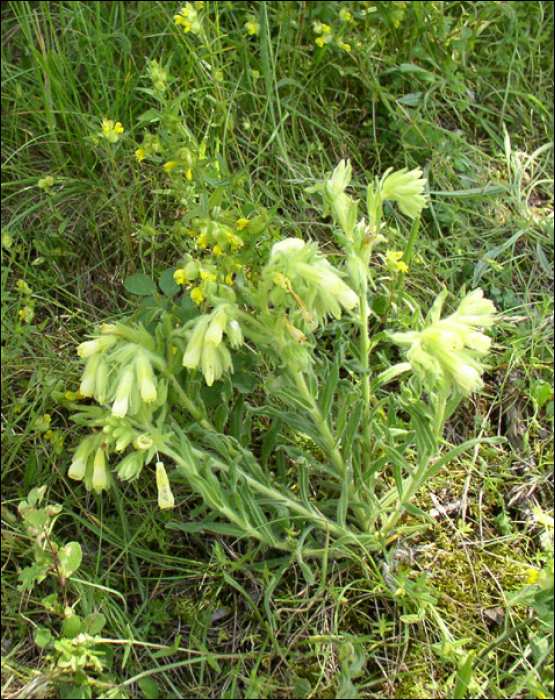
(277, 360)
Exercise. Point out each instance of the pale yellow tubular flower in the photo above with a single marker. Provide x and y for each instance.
(123, 393)
(100, 472)
(145, 378)
(80, 460)
(165, 495)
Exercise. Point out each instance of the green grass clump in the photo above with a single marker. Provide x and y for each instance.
(463, 91)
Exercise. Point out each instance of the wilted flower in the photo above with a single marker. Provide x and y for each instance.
(447, 351)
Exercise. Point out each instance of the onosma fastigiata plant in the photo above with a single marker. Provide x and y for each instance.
(330, 463)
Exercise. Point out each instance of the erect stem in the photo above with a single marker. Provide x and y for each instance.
(321, 424)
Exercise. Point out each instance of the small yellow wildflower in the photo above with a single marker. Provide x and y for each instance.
(197, 295)
(140, 154)
(202, 241)
(23, 286)
(532, 576)
(234, 240)
(170, 165)
(394, 263)
(49, 434)
(345, 15)
(189, 175)
(46, 182)
(26, 314)
(218, 252)
(207, 276)
(241, 223)
(345, 47)
(180, 277)
(188, 18)
(229, 279)
(252, 27)
(111, 131)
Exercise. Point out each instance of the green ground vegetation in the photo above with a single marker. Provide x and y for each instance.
(273, 94)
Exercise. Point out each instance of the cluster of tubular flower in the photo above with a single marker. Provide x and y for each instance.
(206, 347)
(119, 369)
(446, 352)
(299, 276)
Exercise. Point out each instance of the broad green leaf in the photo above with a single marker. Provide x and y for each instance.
(168, 284)
(43, 637)
(149, 688)
(140, 284)
(72, 626)
(69, 558)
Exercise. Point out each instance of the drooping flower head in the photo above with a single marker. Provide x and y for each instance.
(447, 352)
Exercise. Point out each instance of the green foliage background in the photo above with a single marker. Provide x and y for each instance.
(463, 90)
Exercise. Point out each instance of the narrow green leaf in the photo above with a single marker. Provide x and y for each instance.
(328, 389)
(270, 440)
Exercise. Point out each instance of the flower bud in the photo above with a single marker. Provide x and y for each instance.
(130, 466)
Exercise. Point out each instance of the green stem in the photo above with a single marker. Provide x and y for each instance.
(321, 424)
(414, 482)
(277, 497)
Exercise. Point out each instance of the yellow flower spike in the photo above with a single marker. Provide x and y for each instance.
(165, 495)
(241, 223)
(170, 165)
(180, 277)
(140, 154)
(197, 295)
